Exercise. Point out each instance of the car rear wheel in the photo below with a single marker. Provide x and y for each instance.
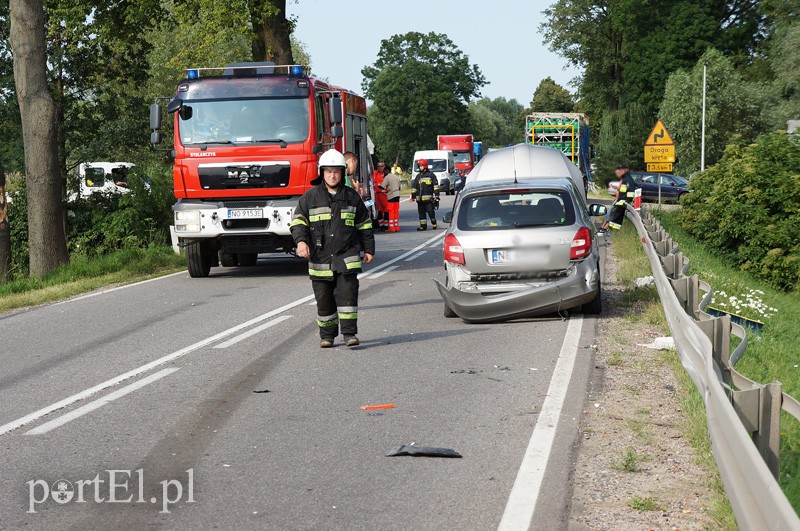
(595, 306)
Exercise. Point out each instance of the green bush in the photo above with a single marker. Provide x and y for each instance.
(104, 223)
(747, 208)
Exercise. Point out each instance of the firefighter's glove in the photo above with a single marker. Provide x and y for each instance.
(436, 203)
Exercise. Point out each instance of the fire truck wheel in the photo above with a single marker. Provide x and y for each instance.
(198, 258)
(247, 259)
(228, 259)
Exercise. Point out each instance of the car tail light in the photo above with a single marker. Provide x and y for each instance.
(453, 252)
(581, 244)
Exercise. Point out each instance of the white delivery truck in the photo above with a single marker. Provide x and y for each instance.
(442, 164)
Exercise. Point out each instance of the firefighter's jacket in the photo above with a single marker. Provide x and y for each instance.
(425, 187)
(336, 230)
(627, 189)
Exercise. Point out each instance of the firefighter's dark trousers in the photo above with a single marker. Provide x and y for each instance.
(617, 216)
(337, 305)
(426, 208)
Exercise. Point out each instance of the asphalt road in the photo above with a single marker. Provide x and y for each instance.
(214, 404)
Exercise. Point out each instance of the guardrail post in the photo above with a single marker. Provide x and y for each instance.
(688, 292)
(673, 264)
(718, 330)
(768, 436)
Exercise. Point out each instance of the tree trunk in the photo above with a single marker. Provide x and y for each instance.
(47, 242)
(272, 29)
(5, 232)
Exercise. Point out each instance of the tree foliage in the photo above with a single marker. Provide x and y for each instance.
(549, 96)
(621, 140)
(628, 48)
(496, 122)
(420, 86)
(734, 110)
(747, 206)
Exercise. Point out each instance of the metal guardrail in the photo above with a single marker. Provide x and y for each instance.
(743, 416)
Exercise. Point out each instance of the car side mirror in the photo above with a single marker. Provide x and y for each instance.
(596, 209)
(448, 217)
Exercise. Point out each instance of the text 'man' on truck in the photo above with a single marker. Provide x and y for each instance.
(566, 132)
(247, 139)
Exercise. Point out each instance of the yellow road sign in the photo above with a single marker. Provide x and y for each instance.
(660, 153)
(660, 167)
(659, 136)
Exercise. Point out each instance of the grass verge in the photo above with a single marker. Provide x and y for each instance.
(645, 304)
(772, 354)
(82, 275)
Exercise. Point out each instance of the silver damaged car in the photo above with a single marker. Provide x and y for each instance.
(521, 240)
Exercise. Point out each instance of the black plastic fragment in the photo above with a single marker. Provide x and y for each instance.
(422, 451)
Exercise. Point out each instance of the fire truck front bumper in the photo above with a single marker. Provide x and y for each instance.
(210, 219)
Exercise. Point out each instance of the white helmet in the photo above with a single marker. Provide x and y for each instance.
(331, 159)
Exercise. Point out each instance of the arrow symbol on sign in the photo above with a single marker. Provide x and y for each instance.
(658, 136)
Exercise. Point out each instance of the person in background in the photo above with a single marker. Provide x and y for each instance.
(332, 228)
(391, 187)
(627, 188)
(351, 175)
(425, 191)
(381, 203)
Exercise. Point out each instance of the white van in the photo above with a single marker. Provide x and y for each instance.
(442, 164)
(103, 177)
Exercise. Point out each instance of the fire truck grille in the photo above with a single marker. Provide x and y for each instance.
(256, 243)
(245, 224)
(243, 176)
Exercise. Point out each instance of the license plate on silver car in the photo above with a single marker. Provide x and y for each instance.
(245, 213)
(517, 256)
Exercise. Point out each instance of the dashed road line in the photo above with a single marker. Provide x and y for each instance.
(100, 402)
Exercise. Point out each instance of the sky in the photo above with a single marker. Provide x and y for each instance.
(501, 37)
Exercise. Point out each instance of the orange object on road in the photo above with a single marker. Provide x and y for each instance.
(379, 406)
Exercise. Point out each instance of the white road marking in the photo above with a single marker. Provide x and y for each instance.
(414, 257)
(14, 424)
(387, 270)
(100, 402)
(521, 503)
(109, 290)
(253, 331)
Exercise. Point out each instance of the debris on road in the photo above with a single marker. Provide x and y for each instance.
(643, 282)
(503, 368)
(462, 371)
(661, 343)
(379, 406)
(263, 391)
(422, 451)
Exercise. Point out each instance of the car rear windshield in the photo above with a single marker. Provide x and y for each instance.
(514, 210)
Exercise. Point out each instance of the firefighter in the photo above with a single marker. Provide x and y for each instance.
(425, 191)
(381, 201)
(627, 189)
(332, 227)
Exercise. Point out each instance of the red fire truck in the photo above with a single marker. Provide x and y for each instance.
(247, 138)
(462, 148)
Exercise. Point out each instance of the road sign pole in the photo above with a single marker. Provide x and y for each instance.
(703, 126)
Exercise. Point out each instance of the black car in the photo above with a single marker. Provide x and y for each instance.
(672, 186)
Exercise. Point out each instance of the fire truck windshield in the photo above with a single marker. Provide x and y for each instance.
(239, 121)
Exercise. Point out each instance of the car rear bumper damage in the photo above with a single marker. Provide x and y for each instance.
(574, 290)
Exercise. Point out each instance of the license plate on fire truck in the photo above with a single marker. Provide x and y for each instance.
(245, 213)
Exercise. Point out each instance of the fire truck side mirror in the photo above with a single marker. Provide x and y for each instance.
(174, 104)
(155, 137)
(335, 110)
(155, 116)
(337, 131)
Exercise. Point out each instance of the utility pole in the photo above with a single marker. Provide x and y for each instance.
(703, 126)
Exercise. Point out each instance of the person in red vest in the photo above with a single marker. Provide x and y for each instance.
(381, 201)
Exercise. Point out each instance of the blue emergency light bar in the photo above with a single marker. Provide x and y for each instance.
(250, 69)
